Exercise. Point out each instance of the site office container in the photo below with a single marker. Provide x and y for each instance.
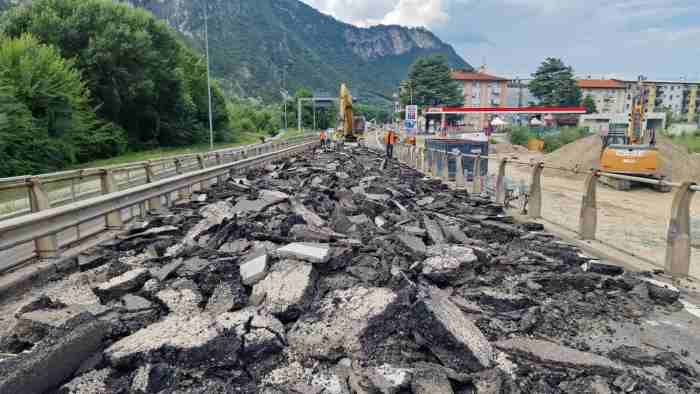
(460, 145)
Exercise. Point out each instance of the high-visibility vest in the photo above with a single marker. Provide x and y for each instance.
(390, 138)
(323, 136)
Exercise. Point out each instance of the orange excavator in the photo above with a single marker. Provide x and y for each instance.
(631, 150)
(352, 127)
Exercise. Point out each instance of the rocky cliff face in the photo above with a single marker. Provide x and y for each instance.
(259, 47)
(251, 41)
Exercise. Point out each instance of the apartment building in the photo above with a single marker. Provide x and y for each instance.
(483, 90)
(609, 95)
(615, 96)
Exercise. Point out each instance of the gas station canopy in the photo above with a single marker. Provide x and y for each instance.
(504, 110)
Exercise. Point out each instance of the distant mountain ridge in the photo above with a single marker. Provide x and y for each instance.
(251, 41)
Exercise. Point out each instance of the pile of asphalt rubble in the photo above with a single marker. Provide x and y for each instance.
(323, 274)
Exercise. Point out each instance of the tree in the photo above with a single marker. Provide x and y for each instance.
(589, 104)
(430, 83)
(45, 120)
(140, 75)
(554, 84)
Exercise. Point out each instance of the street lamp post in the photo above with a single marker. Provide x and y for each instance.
(206, 43)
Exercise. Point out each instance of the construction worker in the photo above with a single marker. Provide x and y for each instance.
(411, 140)
(323, 138)
(390, 139)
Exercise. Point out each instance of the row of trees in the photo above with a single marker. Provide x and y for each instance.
(88, 79)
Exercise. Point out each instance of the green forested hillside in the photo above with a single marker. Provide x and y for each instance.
(251, 41)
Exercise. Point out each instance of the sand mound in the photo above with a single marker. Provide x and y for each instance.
(675, 161)
(506, 147)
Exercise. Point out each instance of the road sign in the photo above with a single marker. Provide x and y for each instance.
(412, 113)
(411, 117)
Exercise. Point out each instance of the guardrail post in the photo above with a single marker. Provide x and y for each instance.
(202, 165)
(415, 153)
(425, 161)
(221, 178)
(501, 182)
(588, 220)
(460, 181)
(46, 247)
(155, 202)
(186, 192)
(678, 238)
(445, 173)
(476, 175)
(109, 185)
(433, 163)
(534, 209)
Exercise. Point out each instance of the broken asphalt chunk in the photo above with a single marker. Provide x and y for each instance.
(312, 252)
(451, 336)
(118, 286)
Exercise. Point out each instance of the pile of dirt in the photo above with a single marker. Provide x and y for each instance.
(674, 161)
(507, 147)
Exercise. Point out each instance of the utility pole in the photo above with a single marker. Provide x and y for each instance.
(299, 114)
(313, 104)
(284, 93)
(206, 43)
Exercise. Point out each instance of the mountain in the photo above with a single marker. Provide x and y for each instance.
(251, 41)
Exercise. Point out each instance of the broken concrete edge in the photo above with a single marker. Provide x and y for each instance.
(596, 248)
(33, 273)
(16, 283)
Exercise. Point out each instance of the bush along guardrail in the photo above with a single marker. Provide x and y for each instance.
(45, 222)
(678, 239)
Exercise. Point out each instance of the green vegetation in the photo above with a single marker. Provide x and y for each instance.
(554, 84)
(45, 118)
(689, 140)
(589, 104)
(84, 80)
(553, 139)
(429, 83)
(140, 76)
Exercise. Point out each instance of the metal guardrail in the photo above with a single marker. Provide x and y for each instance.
(678, 237)
(85, 183)
(42, 226)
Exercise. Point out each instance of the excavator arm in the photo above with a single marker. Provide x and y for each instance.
(346, 113)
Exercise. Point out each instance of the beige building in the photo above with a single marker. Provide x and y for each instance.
(615, 96)
(481, 90)
(609, 95)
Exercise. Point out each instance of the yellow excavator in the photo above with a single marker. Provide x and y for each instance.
(352, 127)
(631, 149)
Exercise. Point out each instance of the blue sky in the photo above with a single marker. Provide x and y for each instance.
(601, 38)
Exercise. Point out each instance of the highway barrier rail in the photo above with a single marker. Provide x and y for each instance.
(51, 225)
(678, 236)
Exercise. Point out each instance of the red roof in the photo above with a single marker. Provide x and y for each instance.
(475, 76)
(599, 84)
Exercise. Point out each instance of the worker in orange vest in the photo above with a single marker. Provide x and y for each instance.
(390, 139)
(411, 140)
(323, 139)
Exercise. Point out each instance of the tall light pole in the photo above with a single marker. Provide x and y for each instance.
(206, 44)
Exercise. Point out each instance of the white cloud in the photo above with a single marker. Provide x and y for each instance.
(417, 13)
(389, 12)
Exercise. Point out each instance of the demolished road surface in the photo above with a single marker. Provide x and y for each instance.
(323, 274)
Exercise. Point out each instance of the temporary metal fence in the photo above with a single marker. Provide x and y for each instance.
(678, 236)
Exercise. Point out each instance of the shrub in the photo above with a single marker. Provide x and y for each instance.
(519, 136)
(45, 120)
